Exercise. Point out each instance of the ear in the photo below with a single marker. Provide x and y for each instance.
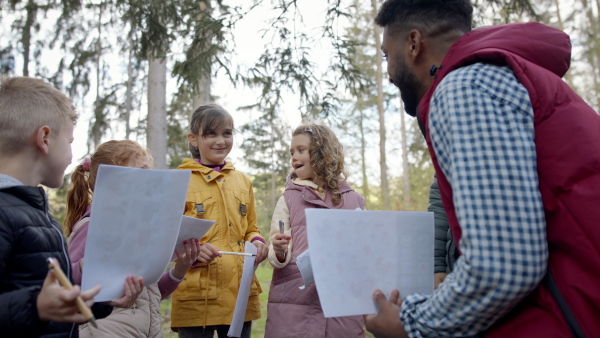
(42, 139)
(415, 44)
(192, 139)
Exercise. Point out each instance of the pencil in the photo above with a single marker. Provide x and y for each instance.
(236, 253)
(64, 281)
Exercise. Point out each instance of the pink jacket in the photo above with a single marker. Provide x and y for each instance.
(143, 319)
(293, 312)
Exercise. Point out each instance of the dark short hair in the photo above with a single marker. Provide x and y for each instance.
(435, 15)
(205, 118)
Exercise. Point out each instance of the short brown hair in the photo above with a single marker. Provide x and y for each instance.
(205, 118)
(26, 104)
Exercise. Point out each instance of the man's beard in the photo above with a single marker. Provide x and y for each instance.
(406, 81)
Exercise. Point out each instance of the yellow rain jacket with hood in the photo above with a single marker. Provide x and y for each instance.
(208, 293)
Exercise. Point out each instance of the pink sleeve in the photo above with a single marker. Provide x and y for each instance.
(76, 250)
(166, 285)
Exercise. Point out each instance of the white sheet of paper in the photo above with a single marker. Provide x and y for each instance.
(355, 252)
(136, 214)
(191, 227)
(241, 303)
(303, 262)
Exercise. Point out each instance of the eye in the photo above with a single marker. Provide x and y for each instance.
(291, 153)
(228, 133)
(300, 151)
(210, 133)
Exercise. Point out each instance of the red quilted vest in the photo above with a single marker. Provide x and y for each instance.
(567, 138)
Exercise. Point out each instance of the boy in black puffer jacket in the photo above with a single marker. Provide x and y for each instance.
(37, 124)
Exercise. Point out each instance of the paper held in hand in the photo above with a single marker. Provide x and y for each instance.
(135, 220)
(354, 252)
(190, 228)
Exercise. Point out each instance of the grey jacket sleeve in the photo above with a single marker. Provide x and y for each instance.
(441, 227)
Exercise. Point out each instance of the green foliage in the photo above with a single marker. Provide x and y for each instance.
(178, 115)
(57, 199)
(266, 146)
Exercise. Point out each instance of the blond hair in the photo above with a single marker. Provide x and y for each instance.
(80, 195)
(26, 104)
(326, 157)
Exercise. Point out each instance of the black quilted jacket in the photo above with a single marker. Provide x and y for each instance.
(28, 236)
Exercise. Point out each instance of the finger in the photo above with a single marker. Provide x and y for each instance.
(75, 318)
(369, 319)
(194, 250)
(50, 279)
(214, 251)
(139, 285)
(188, 245)
(204, 258)
(90, 293)
(394, 296)
(379, 298)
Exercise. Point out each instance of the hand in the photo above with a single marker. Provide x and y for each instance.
(280, 244)
(262, 251)
(438, 278)
(133, 288)
(386, 323)
(57, 304)
(191, 249)
(208, 253)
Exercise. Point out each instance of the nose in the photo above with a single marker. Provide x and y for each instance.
(390, 79)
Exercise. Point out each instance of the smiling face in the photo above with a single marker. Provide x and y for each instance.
(214, 145)
(301, 157)
(400, 74)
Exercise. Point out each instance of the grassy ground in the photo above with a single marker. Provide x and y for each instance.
(264, 274)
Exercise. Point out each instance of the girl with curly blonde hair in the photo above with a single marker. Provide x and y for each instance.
(318, 180)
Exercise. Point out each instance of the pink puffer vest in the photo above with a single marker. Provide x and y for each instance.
(297, 313)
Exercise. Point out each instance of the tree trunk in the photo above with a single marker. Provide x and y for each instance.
(594, 52)
(97, 130)
(363, 157)
(561, 26)
(31, 8)
(203, 95)
(157, 111)
(385, 193)
(405, 168)
(129, 90)
(274, 160)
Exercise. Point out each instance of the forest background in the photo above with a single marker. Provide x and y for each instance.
(137, 69)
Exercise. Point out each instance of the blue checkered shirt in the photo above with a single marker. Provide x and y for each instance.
(481, 127)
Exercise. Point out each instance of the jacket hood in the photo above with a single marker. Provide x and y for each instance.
(542, 45)
(7, 181)
(191, 164)
(289, 184)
